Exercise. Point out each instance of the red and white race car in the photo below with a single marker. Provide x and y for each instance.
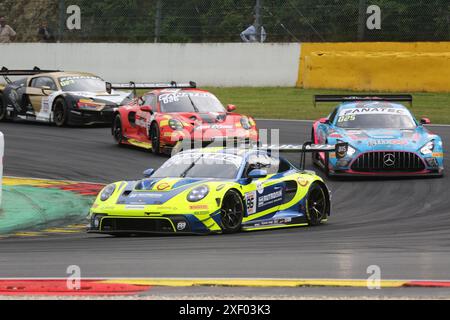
(173, 114)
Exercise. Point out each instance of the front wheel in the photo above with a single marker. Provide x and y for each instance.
(60, 112)
(317, 204)
(117, 129)
(232, 212)
(155, 137)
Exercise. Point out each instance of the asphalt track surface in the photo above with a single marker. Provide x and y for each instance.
(400, 225)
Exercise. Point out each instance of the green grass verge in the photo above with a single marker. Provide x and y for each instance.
(295, 103)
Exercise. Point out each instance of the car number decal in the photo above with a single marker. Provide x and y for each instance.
(250, 200)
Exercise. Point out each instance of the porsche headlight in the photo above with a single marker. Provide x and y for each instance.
(427, 148)
(107, 192)
(175, 124)
(245, 122)
(198, 193)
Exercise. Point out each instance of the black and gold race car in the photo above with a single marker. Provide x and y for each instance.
(63, 98)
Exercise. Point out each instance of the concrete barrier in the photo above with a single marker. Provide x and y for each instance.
(2, 151)
(212, 64)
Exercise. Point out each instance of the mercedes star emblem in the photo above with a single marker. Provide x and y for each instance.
(389, 159)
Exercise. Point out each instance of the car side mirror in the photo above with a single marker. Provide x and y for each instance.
(46, 90)
(257, 174)
(147, 109)
(425, 121)
(108, 87)
(324, 121)
(231, 108)
(148, 173)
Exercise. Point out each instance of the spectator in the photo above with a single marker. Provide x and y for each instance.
(7, 34)
(250, 34)
(45, 34)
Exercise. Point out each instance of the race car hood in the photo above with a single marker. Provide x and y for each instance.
(218, 124)
(384, 139)
(156, 191)
(116, 97)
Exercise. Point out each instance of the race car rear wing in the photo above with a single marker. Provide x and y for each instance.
(6, 73)
(149, 86)
(370, 97)
(308, 147)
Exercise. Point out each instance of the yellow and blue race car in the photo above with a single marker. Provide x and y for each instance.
(217, 190)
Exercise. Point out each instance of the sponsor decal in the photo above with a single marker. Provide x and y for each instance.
(273, 222)
(166, 208)
(171, 96)
(199, 207)
(378, 142)
(354, 132)
(341, 151)
(135, 207)
(214, 126)
(260, 187)
(220, 187)
(215, 158)
(438, 154)
(181, 226)
(372, 110)
(145, 195)
(302, 182)
(270, 199)
(45, 108)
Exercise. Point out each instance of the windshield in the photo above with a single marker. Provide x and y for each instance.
(371, 118)
(184, 101)
(82, 83)
(200, 165)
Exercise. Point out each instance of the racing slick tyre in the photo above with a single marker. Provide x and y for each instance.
(232, 212)
(155, 137)
(317, 204)
(2, 108)
(60, 112)
(117, 130)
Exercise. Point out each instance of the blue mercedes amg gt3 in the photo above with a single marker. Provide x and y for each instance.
(384, 138)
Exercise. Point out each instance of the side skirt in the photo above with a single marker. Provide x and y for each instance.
(278, 221)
